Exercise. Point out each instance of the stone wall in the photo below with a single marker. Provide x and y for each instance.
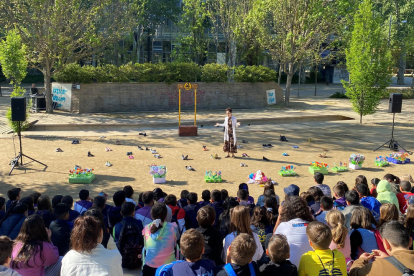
(136, 97)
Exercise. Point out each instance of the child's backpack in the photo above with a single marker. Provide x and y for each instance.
(402, 268)
(162, 270)
(130, 245)
(230, 271)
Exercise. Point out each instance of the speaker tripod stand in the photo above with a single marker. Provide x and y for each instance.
(392, 143)
(15, 161)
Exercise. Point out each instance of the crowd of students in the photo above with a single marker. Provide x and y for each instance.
(360, 229)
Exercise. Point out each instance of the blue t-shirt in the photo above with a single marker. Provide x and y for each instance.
(199, 268)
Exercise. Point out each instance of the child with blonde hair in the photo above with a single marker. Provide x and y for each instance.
(340, 236)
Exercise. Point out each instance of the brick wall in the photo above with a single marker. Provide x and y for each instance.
(135, 97)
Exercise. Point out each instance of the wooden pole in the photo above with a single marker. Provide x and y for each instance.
(179, 107)
(195, 107)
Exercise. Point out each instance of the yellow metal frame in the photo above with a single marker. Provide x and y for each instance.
(187, 86)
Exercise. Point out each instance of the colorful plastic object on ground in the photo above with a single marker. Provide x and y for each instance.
(341, 167)
(212, 177)
(158, 173)
(356, 161)
(258, 178)
(287, 171)
(381, 161)
(400, 157)
(318, 167)
(81, 176)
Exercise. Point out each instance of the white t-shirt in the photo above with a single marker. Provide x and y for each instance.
(229, 239)
(347, 247)
(295, 232)
(100, 261)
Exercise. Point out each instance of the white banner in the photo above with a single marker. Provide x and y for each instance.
(340, 74)
(271, 97)
(62, 95)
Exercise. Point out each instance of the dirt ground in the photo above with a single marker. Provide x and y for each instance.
(340, 138)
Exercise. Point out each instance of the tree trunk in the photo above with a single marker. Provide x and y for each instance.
(48, 92)
(316, 77)
(288, 84)
(300, 70)
(280, 74)
(360, 118)
(149, 48)
(401, 66)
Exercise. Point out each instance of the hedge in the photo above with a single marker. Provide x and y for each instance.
(163, 72)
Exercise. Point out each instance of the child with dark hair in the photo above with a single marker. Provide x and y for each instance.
(374, 183)
(244, 186)
(2, 207)
(127, 211)
(191, 211)
(192, 248)
(260, 224)
(84, 203)
(239, 257)
(271, 207)
(144, 214)
(326, 190)
(362, 235)
(68, 200)
(114, 213)
(61, 228)
(217, 204)
(183, 199)
(13, 220)
(6, 249)
(56, 200)
(339, 191)
(315, 205)
(213, 240)
(159, 194)
(178, 214)
(33, 252)
(205, 196)
(129, 194)
(394, 182)
(279, 252)
(267, 186)
(224, 194)
(243, 199)
(369, 202)
(28, 200)
(224, 220)
(160, 238)
(405, 188)
(44, 209)
(326, 206)
(35, 197)
(322, 260)
(13, 195)
(352, 201)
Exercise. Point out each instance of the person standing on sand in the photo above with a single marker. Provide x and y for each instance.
(230, 141)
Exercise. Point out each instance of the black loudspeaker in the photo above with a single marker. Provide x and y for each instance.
(18, 109)
(395, 103)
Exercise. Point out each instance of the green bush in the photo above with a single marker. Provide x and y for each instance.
(74, 73)
(338, 95)
(254, 74)
(407, 93)
(214, 72)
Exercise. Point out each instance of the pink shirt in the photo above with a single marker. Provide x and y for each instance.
(50, 256)
(346, 251)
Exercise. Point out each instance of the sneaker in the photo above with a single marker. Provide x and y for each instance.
(245, 155)
(146, 148)
(109, 149)
(74, 142)
(108, 164)
(117, 142)
(153, 151)
(295, 147)
(158, 156)
(265, 159)
(265, 146)
(59, 150)
(239, 147)
(269, 145)
(102, 137)
(140, 148)
(129, 153)
(184, 157)
(189, 168)
(131, 157)
(90, 154)
(244, 142)
(143, 134)
(214, 156)
(285, 154)
(243, 165)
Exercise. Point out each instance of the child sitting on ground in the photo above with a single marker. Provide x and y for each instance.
(192, 248)
(129, 194)
(339, 194)
(279, 252)
(6, 248)
(84, 203)
(340, 236)
(321, 261)
(239, 257)
(374, 183)
(61, 228)
(326, 206)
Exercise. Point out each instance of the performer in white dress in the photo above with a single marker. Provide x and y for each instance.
(230, 141)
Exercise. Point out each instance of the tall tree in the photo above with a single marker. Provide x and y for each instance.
(294, 29)
(59, 32)
(194, 39)
(368, 61)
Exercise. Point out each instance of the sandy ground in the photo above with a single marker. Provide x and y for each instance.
(340, 138)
